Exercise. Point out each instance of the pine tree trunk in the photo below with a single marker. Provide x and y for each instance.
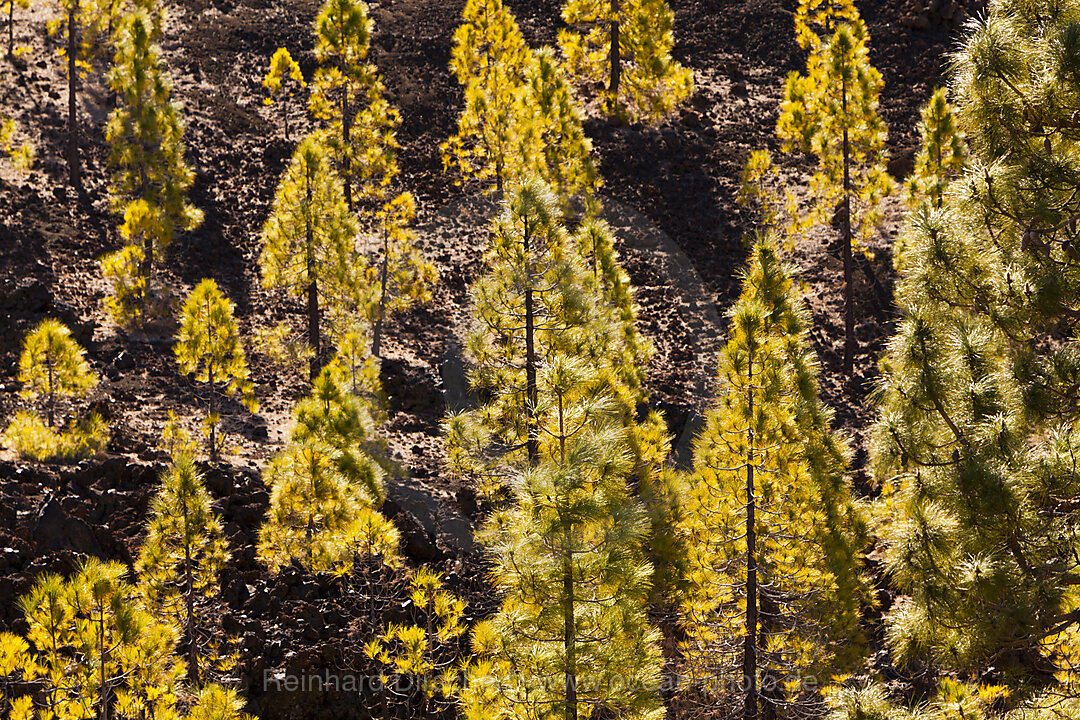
(530, 360)
(346, 132)
(103, 690)
(616, 55)
(73, 76)
(569, 634)
(11, 29)
(376, 332)
(189, 602)
(285, 115)
(750, 646)
(313, 288)
(51, 410)
(845, 226)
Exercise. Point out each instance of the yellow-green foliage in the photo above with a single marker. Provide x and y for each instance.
(650, 83)
(282, 346)
(145, 135)
(831, 113)
(571, 636)
(536, 282)
(208, 346)
(120, 269)
(215, 702)
(318, 516)
(942, 156)
(520, 119)
(402, 276)
(308, 240)
(422, 653)
(90, 645)
(356, 370)
(52, 370)
(179, 563)
(283, 69)
(325, 485)
(816, 20)
(770, 425)
(348, 97)
(22, 154)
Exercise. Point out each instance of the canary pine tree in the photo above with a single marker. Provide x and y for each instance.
(571, 638)
(491, 61)
(326, 485)
(150, 177)
(401, 277)
(831, 113)
(307, 242)
(520, 119)
(348, 96)
(179, 564)
(280, 81)
(52, 370)
(208, 346)
(942, 155)
(770, 529)
(92, 650)
(536, 300)
(627, 45)
(978, 432)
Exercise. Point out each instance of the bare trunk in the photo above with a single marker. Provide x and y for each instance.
(845, 227)
(73, 78)
(530, 360)
(750, 647)
(616, 54)
(384, 271)
(313, 288)
(11, 29)
(569, 634)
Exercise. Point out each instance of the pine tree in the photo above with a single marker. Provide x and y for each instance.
(22, 154)
(520, 118)
(326, 486)
(307, 242)
(208, 346)
(348, 96)
(831, 112)
(771, 530)
(941, 157)
(93, 651)
(817, 20)
(626, 43)
(215, 702)
(180, 561)
(571, 637)
(283, 76)
(145, 134)
(536, 300)
(402, 276)
(977, 436)
(53, 366)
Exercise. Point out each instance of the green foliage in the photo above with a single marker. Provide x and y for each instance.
(282, 347)
(347, 95)
(215, 702)
(179, 564)
(307, 242)
(817, 20)
(571, 635)
(281, 81)
(976, 443)
(146, 147)
(769, 493)
(520, 118)
(625, 46)
(535, 301)
(121, 269)
(92, 650)
(208, 346)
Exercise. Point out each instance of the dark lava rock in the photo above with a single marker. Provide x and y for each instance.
(55, 530)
